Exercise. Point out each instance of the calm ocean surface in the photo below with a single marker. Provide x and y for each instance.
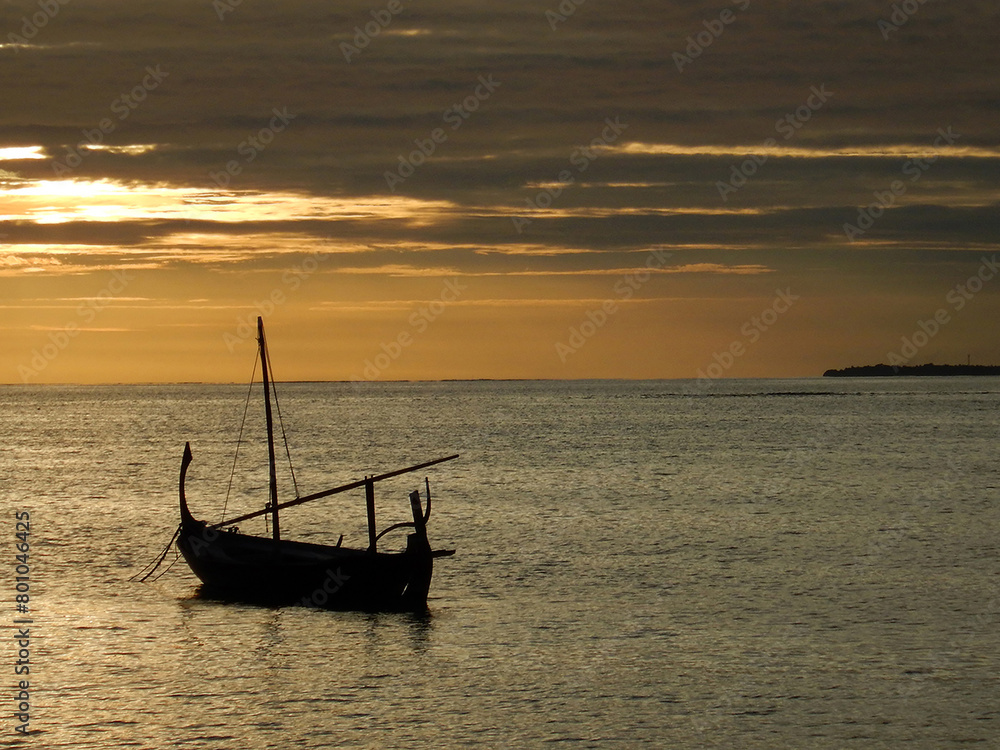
(763, 564)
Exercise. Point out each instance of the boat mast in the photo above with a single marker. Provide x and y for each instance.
(273, 484)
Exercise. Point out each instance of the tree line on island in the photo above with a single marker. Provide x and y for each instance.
(929, 369)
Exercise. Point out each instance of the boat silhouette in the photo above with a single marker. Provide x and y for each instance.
(271, 570)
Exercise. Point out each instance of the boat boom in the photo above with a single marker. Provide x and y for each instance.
(334, 491)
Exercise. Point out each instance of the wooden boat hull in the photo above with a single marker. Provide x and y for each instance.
(278, 571)
(260, 570)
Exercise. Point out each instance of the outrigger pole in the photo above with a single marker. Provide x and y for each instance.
(334, 491)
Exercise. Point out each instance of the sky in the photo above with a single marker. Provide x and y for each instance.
(532, 189)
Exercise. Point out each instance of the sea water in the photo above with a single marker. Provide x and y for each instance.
(766, 563)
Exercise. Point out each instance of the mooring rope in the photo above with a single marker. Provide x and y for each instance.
(177, 556)
(154, 565)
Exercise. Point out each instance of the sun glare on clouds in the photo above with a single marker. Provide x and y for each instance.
(60, 201)
(18, 153)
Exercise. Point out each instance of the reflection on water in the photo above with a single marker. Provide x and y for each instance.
(635, 566)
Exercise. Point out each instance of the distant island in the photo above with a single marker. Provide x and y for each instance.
(889, 371)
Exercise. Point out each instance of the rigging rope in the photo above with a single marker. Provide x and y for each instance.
(239, 439)
(281, 424)
(144, 574)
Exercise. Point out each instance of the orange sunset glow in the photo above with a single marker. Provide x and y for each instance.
(487, 193)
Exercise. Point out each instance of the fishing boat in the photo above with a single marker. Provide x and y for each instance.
(262, 569)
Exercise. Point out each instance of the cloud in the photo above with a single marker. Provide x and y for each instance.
(146, 194)
(881, 151)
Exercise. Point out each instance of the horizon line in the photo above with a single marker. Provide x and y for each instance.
(408, 380)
